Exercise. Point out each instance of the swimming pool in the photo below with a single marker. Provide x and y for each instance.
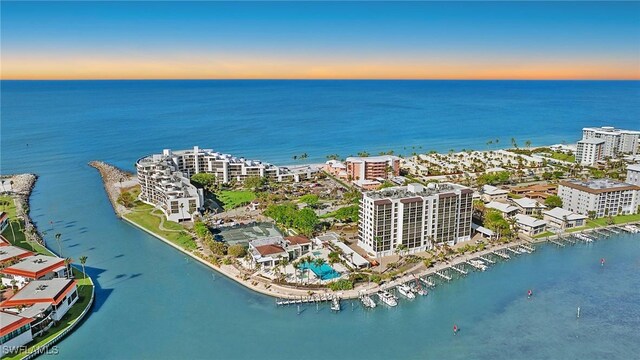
(324, 272)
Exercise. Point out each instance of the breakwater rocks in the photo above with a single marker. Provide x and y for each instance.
(19, 187)
(112, 178)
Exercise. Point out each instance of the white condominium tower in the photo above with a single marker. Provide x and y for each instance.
(414, 216)
(616, 141)
(165, 178)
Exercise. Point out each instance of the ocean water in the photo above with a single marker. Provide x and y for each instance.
(154, 303)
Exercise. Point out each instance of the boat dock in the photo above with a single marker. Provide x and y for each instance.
(484, 258)
(442, 275)
(501, 254)
(528, 248)
(459, 269)
(556, 242)
(306, 300)
(425, 280)
(513, 251)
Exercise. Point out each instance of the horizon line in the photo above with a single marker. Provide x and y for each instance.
(323, 79)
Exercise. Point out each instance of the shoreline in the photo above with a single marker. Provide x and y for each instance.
(112, 175)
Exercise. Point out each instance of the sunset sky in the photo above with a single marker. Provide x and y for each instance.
(247, 40)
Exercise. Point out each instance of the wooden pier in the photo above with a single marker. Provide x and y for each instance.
(502, 255)
(513, 251)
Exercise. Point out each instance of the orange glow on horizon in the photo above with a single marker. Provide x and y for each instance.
(247, 67)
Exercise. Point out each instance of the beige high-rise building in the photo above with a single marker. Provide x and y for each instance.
(415, 216)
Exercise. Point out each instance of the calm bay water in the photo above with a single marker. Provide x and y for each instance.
(154, 303)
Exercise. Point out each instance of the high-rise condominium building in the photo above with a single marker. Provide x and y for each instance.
(415, 216)
(602, 196)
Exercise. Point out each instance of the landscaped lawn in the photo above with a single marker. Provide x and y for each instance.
(620, 219)
(233, 199)
(563, 157)
(142, 215)
(543, 234)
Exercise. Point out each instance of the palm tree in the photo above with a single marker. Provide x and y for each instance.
(83, 260)
(57, 236)
(527, 143)
(513, 143)
(67, 264)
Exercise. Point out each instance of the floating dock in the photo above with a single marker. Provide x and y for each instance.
(426, 281)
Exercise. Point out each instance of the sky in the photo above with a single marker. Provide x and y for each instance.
(320, 40)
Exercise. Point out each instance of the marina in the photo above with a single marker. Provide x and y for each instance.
(408, 287)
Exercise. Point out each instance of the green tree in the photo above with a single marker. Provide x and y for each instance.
(237, 251)
(126, 199)
(553, 201)
(83, 260)
(204, 180)
(254, 182)
(310, 199)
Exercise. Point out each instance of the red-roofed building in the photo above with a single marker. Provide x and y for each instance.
(60, 293)
(15, 332)
(299, 244)
(11, 254)
(37, 267)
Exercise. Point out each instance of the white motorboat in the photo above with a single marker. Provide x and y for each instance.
(367, 301)
(335, 304)
(406, 291)
(479, 264)
(387, 298)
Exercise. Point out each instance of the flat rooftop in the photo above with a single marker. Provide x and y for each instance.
(41, 291)
(413, 190)
(35, 264)
(598, 185)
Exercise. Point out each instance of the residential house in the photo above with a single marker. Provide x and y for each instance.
(563, 219)
(529, 225)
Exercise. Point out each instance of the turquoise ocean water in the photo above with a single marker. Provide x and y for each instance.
(154, 303)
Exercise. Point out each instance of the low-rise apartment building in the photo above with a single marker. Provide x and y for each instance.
(37, 267)
(415, 216)
(603, 197)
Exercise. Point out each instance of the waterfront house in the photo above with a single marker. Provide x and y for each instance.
(528, 206)
(491, 193)
(4, 221)
(507, 210)
(529, 225)
(563, 219)
(298, 245)
(61, 294)
(15, 332)
(37, 267)
(269, 252)
(11, 254)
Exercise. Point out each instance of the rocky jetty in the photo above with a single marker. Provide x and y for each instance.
(113, 178)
